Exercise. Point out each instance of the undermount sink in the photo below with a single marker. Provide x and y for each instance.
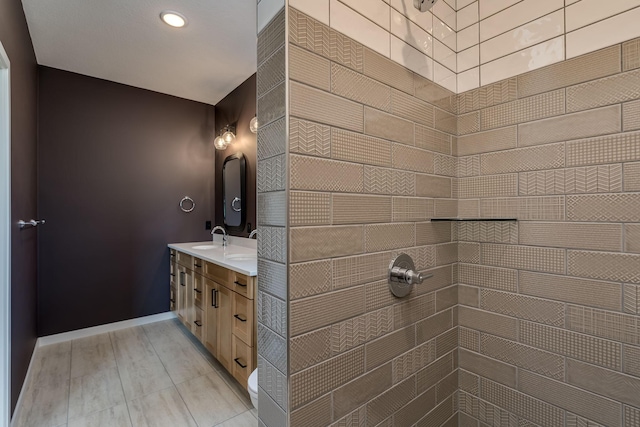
(205, 247)
(241, 257)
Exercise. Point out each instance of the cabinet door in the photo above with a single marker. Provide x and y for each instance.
(182, 294)
(225, 302)
(198, 290)
(210, 339)
(189, 306)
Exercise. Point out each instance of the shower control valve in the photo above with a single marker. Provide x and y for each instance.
(402, 275)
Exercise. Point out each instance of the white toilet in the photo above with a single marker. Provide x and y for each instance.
(252, 386)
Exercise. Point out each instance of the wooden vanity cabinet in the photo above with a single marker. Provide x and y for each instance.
(218, 306)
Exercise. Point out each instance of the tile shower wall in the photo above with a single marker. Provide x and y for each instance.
(370, 161)
(549, 306)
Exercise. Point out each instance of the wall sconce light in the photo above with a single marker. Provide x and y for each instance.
(227, 138)
(253, 125)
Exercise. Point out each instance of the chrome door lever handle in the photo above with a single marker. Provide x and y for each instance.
(30, 223)
(402, 276)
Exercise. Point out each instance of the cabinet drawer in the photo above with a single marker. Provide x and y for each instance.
(243, 318)
(244, 285)
(198, 323)
(216, 273)
(198, 290)
(173, 271)
(242, 356)
(172, 297)
(198, 265)
(184, 260)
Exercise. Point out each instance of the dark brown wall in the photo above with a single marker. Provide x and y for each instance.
(114, 162)
(17, 43)
(240, 106)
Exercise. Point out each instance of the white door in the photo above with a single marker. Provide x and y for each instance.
(5, 239)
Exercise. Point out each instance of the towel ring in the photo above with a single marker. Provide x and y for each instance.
(187, 199)
(233, 205)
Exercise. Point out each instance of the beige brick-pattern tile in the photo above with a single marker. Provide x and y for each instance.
(309, 138)
(315, 414)
(389, 236)
(488, 277)
(273, 382)
(469, 252)
(605, 207)
(272, 244)
(604, 266)
(605, 237)
(412, 361)
(574, 420)
(412, 159)
(387, 126)
(354, 209)
(446, 253)
(631, 115)
(523, 307)
(631, 360)
(357, 270)
(310, 173)
(447, 122)
(601, 121)
(623, 147)
(445, 208)
(632, 238)
(544, 363)
(309, 278)
(387, 71)
(631, 299)
(488, 186)
(571, 344)
(306, 208)
(389, 181)
(411, 209)
(411, 108)
(487, 96)
(322, 310)
(488, 232)
(609, 90)
(413, 310)
(614, 385)
(469, 339)
(488, 368)
(361, 329)
(601, 63)
(312, 35)
(469, 208)
(311, 383)
(271, 37)
(483, 142)
(593, 293)
(272, 174)
(313, 104)
(612, 326)
(356, 418)
(469, 296)
(272, 105)
(469, 123)
(523, 159)
(435, 94)
(521, 404)
(589, 179)
(310, 349)
(491, 323)
(272, 313)
(433, 140)
(536, 107)
(431, 233)
(272, 139)
(312, 243)
(468, 382)
(445, 165)
(411, 413)
(272, 209)
(386, 348)
(631, 55)
(271, 73)
(433, 186)
(524, 257)
(631, 416)
(359, 88)
(387, 403)
(632, 177)
(355, 147)
(524, 208)
(434, 372)
(308, 68)
(429, 328)
(594, 407)
(468, 166)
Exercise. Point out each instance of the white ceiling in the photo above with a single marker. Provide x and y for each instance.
(126, 42)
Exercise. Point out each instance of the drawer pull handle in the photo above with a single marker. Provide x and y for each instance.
(173, 301)
(198, 324)
(244, 285)
(197, 290)
(214, 298)
(237, 316)
(237, 360)
(173, 274)
(197, 265)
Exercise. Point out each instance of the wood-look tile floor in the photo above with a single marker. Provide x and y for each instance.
(155, 375)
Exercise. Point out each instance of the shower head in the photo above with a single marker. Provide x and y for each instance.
(424, 5)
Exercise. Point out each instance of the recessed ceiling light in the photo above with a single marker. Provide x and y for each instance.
(174, 19)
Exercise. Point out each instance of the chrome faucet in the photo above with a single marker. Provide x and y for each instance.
(254, 233)
(224, 234)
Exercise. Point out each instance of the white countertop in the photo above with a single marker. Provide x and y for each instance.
(239, 255)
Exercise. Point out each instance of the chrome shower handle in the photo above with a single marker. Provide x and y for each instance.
(410, 277)
(403, 275)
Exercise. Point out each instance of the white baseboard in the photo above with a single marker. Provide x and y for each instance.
(103, 329)
(27, 378)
